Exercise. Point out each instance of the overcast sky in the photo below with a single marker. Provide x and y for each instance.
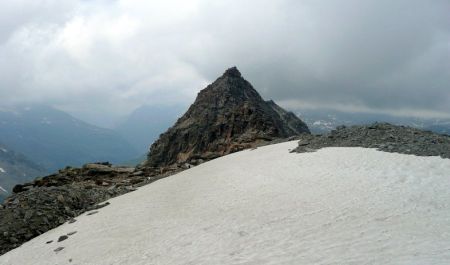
(100, 59)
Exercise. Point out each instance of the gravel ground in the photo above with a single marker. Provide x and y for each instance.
(382, 136)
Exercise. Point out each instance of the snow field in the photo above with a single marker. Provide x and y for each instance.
(269, 206)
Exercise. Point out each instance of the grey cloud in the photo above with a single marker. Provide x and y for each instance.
(97, 57)
(378, 53)
(14, 15)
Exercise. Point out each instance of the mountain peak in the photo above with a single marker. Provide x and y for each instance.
(232, 72)
(227, 116)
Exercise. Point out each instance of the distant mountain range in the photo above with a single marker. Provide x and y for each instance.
(41, 139)
(144, 125)
(53, 139)
(15, 168)
(322, 121)
(266, 184)
(49, 139)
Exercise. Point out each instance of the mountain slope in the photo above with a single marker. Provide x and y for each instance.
(439, 127)
(54, 139)
(144, 125)
(227, 116)
(324, 120)
(269, 206)
(15, 168)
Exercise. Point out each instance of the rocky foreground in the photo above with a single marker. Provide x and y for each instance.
(48, 202)
(382, 136)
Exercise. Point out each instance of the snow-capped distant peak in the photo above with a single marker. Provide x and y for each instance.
(323, 124)
(320, 122)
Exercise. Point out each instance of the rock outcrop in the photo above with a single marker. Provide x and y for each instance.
(48, 202)
(382, 136)
(227, 116)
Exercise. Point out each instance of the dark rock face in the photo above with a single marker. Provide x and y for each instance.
(48, 202)
(383, 136)
(229, 115)
(289, 119)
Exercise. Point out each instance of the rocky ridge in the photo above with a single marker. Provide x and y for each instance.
(382, 136)
(227, 116)
(48, 202)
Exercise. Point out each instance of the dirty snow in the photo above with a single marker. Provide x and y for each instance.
(268, 206)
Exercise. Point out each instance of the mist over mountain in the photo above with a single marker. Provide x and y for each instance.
(324, 120)
(217, 190)
(128, 135)
(15, 168)
(54, 139)
(144, 125)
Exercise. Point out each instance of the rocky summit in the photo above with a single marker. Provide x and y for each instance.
(227, 116)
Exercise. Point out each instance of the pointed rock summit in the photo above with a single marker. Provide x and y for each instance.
(227, 116)
(232, 72)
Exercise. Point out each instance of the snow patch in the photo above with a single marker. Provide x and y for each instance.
(323, 123)
(46, 120)
(3, 150)
(2, 170)
(269, 206)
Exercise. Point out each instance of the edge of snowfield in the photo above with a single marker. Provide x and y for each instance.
(269, 206)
